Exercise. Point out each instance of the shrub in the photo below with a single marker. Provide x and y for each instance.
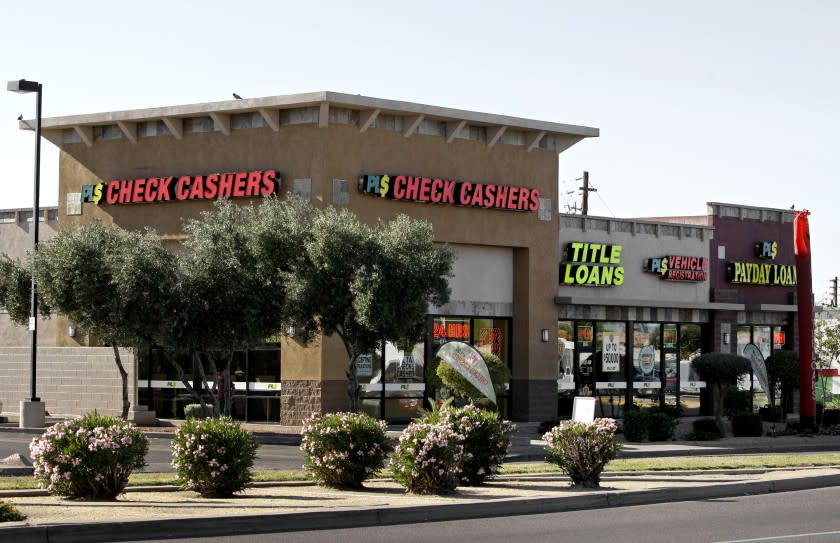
(635, 424)
(582, 450)
(486, 439)
(344, 449)
(660, 426)
(704, 430)
(720, 369)
(499, 375)
(10, 513)
(736, 401)
(428, 458)
(747, 425)
(88, 457)
(830, 417)
(195, 411)
(213, 457)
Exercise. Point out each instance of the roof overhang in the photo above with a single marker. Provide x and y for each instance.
(269, 107)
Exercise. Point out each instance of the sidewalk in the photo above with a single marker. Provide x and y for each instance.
(160, 512)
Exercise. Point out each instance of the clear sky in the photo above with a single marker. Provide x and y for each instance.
(724, 101)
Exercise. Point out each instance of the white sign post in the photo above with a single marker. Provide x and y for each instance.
(583, 409)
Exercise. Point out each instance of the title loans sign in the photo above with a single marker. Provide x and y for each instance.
(435, 190)
(592, 264)
(242, 184)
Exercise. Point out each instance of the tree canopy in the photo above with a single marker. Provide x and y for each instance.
(243, 274)
(115, 284)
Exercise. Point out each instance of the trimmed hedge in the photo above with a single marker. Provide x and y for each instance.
(705, 430)
(747, 425)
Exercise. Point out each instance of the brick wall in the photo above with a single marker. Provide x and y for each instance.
(70, 381)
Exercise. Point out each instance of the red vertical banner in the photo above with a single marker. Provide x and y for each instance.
(802, 250)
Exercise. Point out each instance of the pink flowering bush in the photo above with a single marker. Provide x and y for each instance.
(213, 457)
(344, 449)
(429, 458)
(88, 457)
(486, 439)
(582, 450)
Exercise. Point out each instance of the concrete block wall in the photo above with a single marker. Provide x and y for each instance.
(70, 381)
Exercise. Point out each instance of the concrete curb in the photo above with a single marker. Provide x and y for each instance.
(356, 518)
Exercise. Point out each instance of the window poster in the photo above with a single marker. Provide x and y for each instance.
(585, 333)
(611, 360)
(669, 336)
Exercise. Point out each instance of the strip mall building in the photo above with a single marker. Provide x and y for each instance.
(572, 304)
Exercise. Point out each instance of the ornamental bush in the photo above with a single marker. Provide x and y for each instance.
(10, 513)
(428, 458)
(344, 449)
(582, 450)
(486, 439)
(88, 457)
(213, 457)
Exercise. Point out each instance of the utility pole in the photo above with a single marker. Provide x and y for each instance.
(586, 190)
(833, 291)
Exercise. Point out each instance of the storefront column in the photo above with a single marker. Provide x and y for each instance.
(534, 383)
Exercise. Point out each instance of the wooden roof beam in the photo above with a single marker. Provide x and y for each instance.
(453, 129)
(175, 125)
(129, 130)
(413, 124)
(222, 122)
(271, 117)
(367, 118)
(494, 134)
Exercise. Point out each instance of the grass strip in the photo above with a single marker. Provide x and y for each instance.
(675, 463)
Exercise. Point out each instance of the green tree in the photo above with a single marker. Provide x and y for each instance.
(229, 296)
(16, 291)
(783, 373)
(365, 284)
(826, 347)
(115, 284)
(719, 370)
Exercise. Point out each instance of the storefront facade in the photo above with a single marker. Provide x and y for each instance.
(639, 299)
(488, 184)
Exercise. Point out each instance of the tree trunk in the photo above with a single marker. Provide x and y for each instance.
(124, 377)
(353, 384)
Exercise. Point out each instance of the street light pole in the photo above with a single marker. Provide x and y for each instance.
(32, 412)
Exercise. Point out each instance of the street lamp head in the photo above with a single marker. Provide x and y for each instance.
(22, 85)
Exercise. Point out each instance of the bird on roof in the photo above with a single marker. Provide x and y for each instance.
(20, 117)
(237, 96)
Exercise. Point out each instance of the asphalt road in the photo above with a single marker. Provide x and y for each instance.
(269, 456)
(788, 517)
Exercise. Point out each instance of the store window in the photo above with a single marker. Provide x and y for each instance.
(690, 385)
(647, 371)
(256, 379)
(585, 347)
(610, 371)
(490, 336)
(403, 381)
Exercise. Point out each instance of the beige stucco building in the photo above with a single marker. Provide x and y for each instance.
(488, 183)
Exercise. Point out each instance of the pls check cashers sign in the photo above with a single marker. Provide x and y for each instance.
(241, 184)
